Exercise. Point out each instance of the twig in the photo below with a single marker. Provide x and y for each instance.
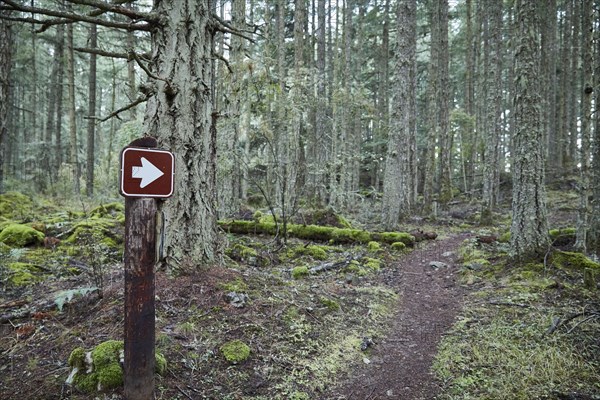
(139, 100)
(183, 393)
(508, 304)
(595, 315)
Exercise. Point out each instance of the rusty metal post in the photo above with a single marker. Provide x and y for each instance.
(139, 259)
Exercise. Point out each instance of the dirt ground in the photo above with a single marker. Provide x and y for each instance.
(431, 297)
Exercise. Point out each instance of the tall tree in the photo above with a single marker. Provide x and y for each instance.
(91, 127)
(398, 178)
(5, 67)
(73, 155)
(529, 228)
(593, 237)
(180, 115)
(493, 124)
(587, 89)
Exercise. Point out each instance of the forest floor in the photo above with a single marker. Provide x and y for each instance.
(431, 296)
(449, 318)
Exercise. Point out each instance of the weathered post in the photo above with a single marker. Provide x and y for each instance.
(140, 257)
(146, 174)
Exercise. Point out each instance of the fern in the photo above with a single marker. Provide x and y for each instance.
(66, 296)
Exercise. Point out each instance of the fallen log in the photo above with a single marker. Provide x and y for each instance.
(318, 233)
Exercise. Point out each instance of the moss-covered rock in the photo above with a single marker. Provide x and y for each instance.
(398, 246)
(100, 369)
(573, 261)
(372, 263)
(330, 304)
(95, 229)
(235, 351)
(18, 235)
(316, 252)
(393, 237)
(111, 210)
(373, 247)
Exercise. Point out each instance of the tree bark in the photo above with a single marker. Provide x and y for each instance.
(91, 127)
(5, 67)
(529, 229)
(398, 185)
(593, 237)
(587, 88)
(74, 159)
(180, 116)
(493, 124)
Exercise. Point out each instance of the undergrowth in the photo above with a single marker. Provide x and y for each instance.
(528, 332)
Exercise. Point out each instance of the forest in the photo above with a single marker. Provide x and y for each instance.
(371, 198)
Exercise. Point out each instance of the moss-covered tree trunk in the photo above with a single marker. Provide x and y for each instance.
(5, 64)
(180, 116)
(529, 229)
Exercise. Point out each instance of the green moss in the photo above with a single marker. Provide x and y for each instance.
(160, 364)
(77, 358)
(23, 274)
(257, 216)
(316, 252)
(235, 351)
(330, 304)
(16, 206)
(504, 238)
(106, 371)
(350, 236)
(372, 263)
(573, 261)
(392, 237)
(299, 272)
(555, 233)
(238, 285)
(374, 247)
(398, 246)
(92, 228)
(111, 210)
(18, 235)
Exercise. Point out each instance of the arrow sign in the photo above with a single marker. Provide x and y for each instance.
(148, 173)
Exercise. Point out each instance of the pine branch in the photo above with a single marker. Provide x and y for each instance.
(73, 17)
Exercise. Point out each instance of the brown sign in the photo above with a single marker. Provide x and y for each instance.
(146, 172)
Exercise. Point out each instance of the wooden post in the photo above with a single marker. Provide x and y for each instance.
(140, 257)
(139, 260)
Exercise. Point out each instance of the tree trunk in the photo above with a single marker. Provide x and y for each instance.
(445, 136)
(574, 84)
(550, 88)
(491, 166)
(529, 229)
(5, 67)
(397, 185)
(429, 170)
(587, 88)
(91, 127)
(180, 115)
(593, 236)
(74, 160)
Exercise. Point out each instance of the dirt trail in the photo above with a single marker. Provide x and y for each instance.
(430, 297)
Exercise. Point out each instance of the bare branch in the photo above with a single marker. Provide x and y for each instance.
(116, 113)
(111, 54)
(117, 9)
(95, 13)
(221, 25)
(76, 17)
(148, 72)
(220, 57)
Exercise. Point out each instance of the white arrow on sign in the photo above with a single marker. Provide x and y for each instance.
(148, 173)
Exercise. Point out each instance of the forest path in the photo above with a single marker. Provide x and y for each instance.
(399, 365)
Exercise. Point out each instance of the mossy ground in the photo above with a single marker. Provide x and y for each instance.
(514, 339)
(301, 332)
